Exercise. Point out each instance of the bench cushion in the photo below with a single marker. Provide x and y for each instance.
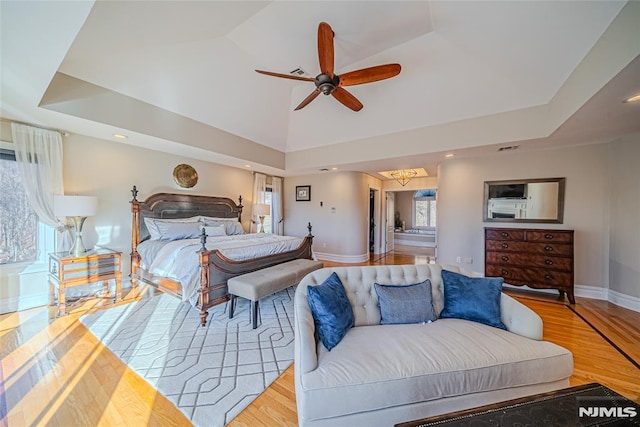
(261, 283)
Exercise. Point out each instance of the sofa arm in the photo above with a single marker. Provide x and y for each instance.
(520, 319)
(306, 358)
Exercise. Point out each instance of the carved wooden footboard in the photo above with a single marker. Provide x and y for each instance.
(215, 268)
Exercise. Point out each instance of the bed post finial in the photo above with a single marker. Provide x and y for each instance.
(134, 193)
(203, 240)
(309, 228)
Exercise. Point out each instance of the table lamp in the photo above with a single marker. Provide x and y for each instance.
(261, 210)
(78, 208)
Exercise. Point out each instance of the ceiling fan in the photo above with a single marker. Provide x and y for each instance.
(332, 84)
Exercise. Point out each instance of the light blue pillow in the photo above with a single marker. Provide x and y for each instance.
(331, 310)
(178, 230)
(472, 298)
(405, 304)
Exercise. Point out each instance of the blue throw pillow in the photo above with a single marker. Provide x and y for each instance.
(405, 304)
(472, 298)
(331, 310)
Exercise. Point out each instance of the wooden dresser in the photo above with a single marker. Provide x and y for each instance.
(541, 259)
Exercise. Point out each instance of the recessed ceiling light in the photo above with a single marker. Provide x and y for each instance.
(247, 166)
(334, 169)
(120, 136)
(634, 98)
(449, 155)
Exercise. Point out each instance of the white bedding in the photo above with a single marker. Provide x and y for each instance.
(179, 259)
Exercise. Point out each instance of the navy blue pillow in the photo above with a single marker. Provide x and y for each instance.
(405, 304)
(331, 310)
(472, 298)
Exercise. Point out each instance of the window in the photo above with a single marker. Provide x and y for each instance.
(19, 226)
(424, 209)
(268, 227)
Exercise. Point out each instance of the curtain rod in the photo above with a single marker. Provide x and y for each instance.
(272, 176)
(61, 132)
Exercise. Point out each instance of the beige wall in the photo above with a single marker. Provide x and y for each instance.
(460, 192)
(624, 236)
(404, 206)
(340, 225)
(108, 170)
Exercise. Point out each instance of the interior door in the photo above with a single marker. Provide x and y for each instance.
(390, 220)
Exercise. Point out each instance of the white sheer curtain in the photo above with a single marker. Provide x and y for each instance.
(259, 188)
(39, 159)
(277, 213)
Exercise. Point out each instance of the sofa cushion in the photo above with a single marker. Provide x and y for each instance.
(384, 366)
(406, 303)
(472, 298)
(331, 310)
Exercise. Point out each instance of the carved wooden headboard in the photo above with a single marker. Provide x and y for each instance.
(169, 205)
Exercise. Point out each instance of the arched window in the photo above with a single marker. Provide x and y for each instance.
(424, 209)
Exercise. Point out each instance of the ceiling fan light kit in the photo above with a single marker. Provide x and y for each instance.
(329, 83)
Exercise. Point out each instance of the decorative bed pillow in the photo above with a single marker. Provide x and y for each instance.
(215, 230)
(178, 230)
(152, 226)
(472, 298)
(405, 304)
(232, 225)
(331, 310)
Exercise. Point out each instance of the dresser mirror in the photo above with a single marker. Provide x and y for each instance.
(524, 200)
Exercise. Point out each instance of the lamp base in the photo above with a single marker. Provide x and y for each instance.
(261, 217)
(78, 248)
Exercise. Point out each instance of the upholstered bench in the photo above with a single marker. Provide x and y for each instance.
(261, 283)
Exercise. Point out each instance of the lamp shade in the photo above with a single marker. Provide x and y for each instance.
(261, 209)
(75, 206)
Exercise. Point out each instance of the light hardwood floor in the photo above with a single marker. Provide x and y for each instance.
(54, 372)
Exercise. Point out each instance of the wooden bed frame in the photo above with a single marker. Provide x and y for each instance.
(215, 268)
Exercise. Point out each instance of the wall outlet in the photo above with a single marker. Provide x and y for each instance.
(459, 259)
(468, 260)
(324, 245)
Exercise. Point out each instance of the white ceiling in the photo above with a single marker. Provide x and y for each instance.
(463, 63)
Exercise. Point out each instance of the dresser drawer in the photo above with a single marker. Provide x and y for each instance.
(530, 276)
(532, 248)
(506, 234)
(529, 260)
(549, 236)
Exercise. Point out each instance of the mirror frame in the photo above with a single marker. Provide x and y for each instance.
(560, 202)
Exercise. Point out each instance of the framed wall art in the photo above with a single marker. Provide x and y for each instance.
(303, 193)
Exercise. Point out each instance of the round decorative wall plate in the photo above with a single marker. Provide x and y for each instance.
(185, 176)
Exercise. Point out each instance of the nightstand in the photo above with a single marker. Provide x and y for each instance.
(99, 265)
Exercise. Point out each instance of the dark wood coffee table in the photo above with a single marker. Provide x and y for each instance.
(556, 408)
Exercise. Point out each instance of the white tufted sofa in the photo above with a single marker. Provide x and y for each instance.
(379, 375)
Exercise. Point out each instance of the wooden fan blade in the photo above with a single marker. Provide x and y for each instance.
(308, 99)
(347, 99)
(285, 76)
(368, 75)
(325, 48)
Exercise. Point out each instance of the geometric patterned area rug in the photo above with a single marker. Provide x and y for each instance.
(210, 373)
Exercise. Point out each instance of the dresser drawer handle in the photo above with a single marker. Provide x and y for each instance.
(548, 236)
(547, 277)
(548, 262)
(505, 245)
(548, 248)
(504, 258)
(505, 234)
(505, 272)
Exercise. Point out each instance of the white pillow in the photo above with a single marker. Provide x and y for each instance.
(152, 226)
(178, 230)
(232, 225)
(215, 230)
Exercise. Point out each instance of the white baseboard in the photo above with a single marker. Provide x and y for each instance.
(593, 292)
(348, 259)
(9, 305)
